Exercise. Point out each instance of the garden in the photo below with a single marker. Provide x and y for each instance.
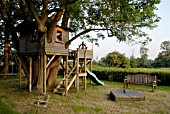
(96, 99)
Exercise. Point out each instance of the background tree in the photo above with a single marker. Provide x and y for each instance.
(123, 17)
(116, 59)
(133, 63)
(143, 61)
(163, 59)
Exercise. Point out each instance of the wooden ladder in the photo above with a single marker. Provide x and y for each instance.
(64, 85)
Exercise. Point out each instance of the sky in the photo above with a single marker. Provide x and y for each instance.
(158, 35)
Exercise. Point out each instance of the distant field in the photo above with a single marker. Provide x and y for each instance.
(95, 100)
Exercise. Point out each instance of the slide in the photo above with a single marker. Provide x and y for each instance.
(93, 77)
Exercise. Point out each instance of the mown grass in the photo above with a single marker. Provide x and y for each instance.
(95, 100)
(4, 109)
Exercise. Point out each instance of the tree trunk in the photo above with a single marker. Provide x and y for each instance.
(6, 62)
(6, 50)
(37, 80)
(52, 72)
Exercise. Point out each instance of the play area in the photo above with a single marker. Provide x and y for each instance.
(76, 66)
(73, 63)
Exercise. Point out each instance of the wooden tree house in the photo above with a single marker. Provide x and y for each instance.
(32, 43)
(29, 41)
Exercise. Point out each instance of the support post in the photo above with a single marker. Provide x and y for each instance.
(44, 74)
(42, 70)
(77, 71)
(41, 78)
(66, 84)
(91, 69)
(84, 69)
(30, 74)
(66, 65)
(20, 74)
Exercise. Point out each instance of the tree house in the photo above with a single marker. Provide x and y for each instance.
(29, 41)
(32, 43)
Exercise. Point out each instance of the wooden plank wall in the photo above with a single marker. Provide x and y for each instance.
(57, 48)
(26, 46)
(89, 53)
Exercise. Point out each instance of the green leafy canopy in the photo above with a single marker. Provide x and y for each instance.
(125, 18)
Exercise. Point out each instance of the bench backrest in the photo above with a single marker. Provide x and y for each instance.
(140, 79)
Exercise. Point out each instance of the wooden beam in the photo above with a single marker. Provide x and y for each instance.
(20, 74)
(30, 74)
(84, 77)
(66, 84)
(50, 60)
(62, 66)
(44, 74)
(91, 69)
(66, 67)
(77, 70)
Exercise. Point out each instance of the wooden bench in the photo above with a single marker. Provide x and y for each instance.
(141, 79)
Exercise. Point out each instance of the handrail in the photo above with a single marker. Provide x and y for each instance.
(67, 76)
(71, 82)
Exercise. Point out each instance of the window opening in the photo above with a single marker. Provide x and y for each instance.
(35, 35)
(59, 37)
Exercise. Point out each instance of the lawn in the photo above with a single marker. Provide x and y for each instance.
(95, 100)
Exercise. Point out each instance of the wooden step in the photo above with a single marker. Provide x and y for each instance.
(82, 74)
(59, 91)
(62, 86)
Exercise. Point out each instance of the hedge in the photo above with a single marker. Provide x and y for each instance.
(163, 77)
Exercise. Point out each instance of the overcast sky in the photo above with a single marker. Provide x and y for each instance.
(158, 35)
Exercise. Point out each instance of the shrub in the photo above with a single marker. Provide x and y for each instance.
(163, 77)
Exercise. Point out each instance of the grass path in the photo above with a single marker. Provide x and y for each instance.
(95, 100)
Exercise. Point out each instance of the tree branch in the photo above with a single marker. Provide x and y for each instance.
(55, 10)
(52, 25)
(4, 13)
(33, 11)
(24, 9)
(76, 36)
(88, 19)
(81, 33)
(45, 4)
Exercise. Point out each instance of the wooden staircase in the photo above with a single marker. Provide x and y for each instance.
(64, 85)
(78, 70)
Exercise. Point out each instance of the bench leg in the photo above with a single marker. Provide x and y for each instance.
(153, 88)
(125, 86)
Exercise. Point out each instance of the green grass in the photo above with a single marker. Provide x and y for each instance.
(95, 100)
(4, 109)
